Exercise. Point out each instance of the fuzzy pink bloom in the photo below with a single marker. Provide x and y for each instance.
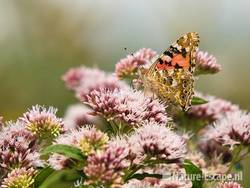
(229, 185)
(206, 64)
(43, 122)
(127, 106)
(19, 177)
(73, 76)
(18, 147)
(215, 109)
(88, 139)
(231, 130)
(105, 167)
(128, 66)
(157, 140)
(78, 115)
(83, 80)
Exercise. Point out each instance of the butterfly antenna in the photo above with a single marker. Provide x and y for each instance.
(126, 49)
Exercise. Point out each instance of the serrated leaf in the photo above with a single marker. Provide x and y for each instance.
(194, 173)
(66, 150)
(42, 175)
(198, 101)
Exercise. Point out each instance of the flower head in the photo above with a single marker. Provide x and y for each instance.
(88, 139)
(229, 185)
(206, 64)
(128, 66)
(215, 109)
(73, 77)
(92, 140)
(158, 141)
(127, 106)
(78, 115)
(106, 167)
(43, 122)
(231, 130)
(19, 178)
(83, 80)
(18, 147)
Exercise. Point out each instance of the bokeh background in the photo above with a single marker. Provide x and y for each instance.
(40, 40)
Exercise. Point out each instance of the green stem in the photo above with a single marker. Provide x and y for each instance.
(147, 162)
(113, 127)
(132, 172)
(134, 169)
(236, 158)
(241, 157)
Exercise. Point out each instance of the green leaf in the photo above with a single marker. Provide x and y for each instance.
(194, 173)
(68, 151)
(42, 175)
(198, 101)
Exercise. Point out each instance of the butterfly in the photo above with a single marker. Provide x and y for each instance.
(170, 77)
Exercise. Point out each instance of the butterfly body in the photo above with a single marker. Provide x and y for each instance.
(170, 77)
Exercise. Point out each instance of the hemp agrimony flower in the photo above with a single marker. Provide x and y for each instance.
(43, 122)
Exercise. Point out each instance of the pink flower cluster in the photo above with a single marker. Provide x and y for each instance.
(77, 116)
(83, 80)
(19, 177)
(43, 122)
(18, 147)
(232, 130)
(128, 66)
(106, 166)
(127, 106)
(21, 143)
(157, 140)
(215, 109)
(206, 64)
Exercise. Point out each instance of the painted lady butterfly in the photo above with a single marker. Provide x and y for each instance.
(170, 77)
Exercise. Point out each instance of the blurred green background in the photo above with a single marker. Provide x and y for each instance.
(40, 40)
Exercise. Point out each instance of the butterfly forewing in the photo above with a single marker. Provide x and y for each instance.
(170, 77)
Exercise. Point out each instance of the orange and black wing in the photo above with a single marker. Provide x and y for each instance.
(181, 54)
